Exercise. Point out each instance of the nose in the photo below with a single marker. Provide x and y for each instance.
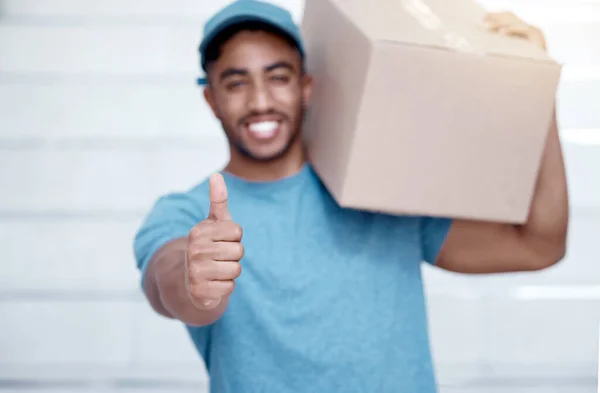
(260, 99)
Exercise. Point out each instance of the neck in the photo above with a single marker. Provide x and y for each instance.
(252, 170)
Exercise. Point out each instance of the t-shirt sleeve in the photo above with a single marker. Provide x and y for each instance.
(171, 217)
(433, 234)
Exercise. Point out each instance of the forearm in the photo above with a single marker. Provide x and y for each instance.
(549, 216)
(165, 287)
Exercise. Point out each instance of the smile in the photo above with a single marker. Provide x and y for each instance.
(263, 129)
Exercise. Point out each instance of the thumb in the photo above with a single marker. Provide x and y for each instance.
(218, 198)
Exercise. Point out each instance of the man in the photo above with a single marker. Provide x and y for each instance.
(316, 298)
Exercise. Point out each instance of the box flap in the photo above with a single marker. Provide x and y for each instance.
(451, 25)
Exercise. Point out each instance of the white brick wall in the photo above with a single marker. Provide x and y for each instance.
(78, 178)
(113, 109)
(99, 115)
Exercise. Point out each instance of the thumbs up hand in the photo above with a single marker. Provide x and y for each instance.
(214, 251)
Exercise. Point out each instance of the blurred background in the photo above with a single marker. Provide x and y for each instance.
(99, 114)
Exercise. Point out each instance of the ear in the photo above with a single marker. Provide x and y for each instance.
(210, 100)
(307, 88)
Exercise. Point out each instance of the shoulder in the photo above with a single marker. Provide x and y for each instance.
(171, 216)
(192, 202)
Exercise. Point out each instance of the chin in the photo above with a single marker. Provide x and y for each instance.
(267, 157)
(267, 150)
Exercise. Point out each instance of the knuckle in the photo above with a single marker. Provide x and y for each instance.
(198, 231)
(238, 251)
(237, 270)
(239, 232)
(229, 287)
(235, 230)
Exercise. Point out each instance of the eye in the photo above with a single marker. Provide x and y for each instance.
(233, 85)
(280, 78)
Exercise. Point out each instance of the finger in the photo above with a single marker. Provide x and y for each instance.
(207, 304)
(217, 231)
(522, 31)
(528, 32)
(217, 271)
(211, 290)
(216, 251)
(218, 198)
(501, 20)
(228, 251)
(226, 231)
(512, 30)
(508, 21)
(495, 23)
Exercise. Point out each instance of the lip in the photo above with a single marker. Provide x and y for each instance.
(259, 119)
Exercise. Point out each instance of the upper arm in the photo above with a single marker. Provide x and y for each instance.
(476, 247)
(172, 217)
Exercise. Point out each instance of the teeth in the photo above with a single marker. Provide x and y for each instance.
(263, 127)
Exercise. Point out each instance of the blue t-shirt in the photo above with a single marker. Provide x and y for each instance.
(329, 299)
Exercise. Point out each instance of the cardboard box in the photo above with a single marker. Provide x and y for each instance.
(418, 109)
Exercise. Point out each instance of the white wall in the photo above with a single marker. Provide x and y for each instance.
(99, 115)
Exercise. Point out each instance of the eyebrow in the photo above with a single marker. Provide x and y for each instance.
(232, 72)
(280, 64)
(242, 72)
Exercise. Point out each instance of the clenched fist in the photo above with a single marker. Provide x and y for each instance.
(214, 252)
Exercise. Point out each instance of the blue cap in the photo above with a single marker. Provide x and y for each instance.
(242, 11)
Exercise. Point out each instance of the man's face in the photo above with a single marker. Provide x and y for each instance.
(259, 93)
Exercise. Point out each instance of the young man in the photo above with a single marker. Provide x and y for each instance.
(316, 298)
